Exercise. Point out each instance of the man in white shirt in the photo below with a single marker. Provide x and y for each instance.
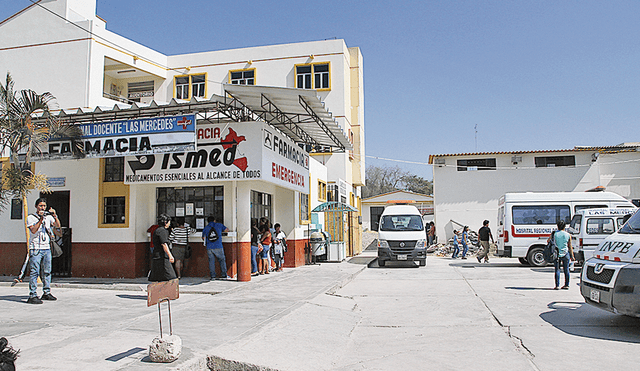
(39, 225)
(279, 243)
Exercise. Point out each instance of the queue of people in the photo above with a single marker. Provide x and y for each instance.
(170, 249)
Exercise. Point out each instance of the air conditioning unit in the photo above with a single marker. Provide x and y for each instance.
(516, 159)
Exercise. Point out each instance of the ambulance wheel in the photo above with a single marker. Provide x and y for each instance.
(536, 257)
(381, 263)
(523, 261)
(422, 262)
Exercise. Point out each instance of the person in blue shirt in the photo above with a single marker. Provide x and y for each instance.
(212, 236)
(562, 240)
(456, 247)
(465, 241)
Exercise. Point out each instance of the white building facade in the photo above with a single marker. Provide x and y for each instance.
(62, 47)
(467, 186)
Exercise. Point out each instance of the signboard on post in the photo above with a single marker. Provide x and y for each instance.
(129, 137)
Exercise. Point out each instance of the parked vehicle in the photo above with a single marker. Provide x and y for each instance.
(401, 235)
(610, 280)
(589, 227)
(525, 220)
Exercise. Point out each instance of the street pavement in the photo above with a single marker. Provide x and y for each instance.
(449, 315)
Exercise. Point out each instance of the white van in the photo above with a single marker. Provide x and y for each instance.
(401, 235)
(590, 226)
(525, 220)
(610, 280)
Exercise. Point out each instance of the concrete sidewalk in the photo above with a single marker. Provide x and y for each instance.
(105, 324)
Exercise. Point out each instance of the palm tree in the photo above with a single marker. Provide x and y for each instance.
(26, 125)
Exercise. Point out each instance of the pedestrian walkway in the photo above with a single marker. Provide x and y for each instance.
(105, 324)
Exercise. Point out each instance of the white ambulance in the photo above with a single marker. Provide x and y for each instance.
(589, 227)
(611, 278)
(401, 234)
(525, 220)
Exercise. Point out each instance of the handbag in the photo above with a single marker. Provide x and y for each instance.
(188, 252)
(56, 250)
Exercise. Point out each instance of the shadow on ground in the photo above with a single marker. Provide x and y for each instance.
(582, 319)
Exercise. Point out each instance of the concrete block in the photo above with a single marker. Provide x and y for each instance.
(165, 349)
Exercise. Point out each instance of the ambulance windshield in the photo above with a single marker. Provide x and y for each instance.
(632, 226)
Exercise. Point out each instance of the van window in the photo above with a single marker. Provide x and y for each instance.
(600, 226)
(540, 214)
(401, 223)
(501, 216)
(576, 222)
(582, 207)
(620, 222)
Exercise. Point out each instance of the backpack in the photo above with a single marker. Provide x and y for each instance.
(213, 235)
(551, 250)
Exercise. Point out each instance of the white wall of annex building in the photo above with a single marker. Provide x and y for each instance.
(469, 197)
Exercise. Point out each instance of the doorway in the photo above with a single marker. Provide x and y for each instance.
(59, 200)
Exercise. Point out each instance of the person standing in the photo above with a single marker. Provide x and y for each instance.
(161, 268)
(179, 238)
(265, 242)
(279, 243)
(212, 236)
(432, 233)
(456, 247)
(565, 252)
(484, 234)
(255, 233)
(465, 241)
(39, 225)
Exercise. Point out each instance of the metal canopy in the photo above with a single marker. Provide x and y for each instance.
(299, 113)
(333, 206)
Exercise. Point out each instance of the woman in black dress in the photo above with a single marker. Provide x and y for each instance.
(161, 268)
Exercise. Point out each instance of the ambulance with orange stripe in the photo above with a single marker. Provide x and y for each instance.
(610, 280)
(525, 220)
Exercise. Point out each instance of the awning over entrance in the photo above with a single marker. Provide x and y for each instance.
(299, 113)
(333, 206)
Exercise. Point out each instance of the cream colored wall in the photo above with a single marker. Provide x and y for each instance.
(357, 115)
(469, 197)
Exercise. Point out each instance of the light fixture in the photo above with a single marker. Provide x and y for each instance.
(126, 71)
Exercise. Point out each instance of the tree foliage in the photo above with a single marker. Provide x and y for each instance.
(26, 125)
(384, 179)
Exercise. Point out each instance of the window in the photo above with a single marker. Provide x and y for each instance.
(576, 223)
(322, 191)
(304, 207)
(332, 192)
(401, 223)
(600, 226)
(194, 84)
(16, 208)
(261, 205)
(242, 77)
(553, 161)
(313, 76)
(114, 169)
(182, 87)
(531, 215)
(114, 210)
(477, 164)
(195, 204)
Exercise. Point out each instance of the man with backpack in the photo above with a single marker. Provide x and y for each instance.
(562, 241)
(212, 236)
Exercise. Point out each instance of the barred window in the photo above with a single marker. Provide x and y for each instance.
(114, 210)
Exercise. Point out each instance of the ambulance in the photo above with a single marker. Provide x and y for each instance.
(610, 280)
(590, 226)
(525, 220)
(401, 234)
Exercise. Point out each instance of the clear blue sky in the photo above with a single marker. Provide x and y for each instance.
(530, 74)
